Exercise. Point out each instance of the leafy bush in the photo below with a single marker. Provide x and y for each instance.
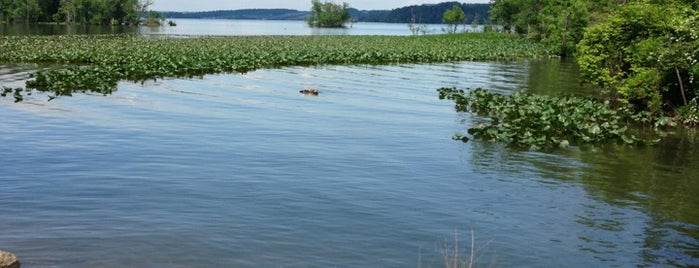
(328, 14)
(453, 17)
(103, 12)
(645, 54)
(689, 114)
(557, 24)
(154, 19)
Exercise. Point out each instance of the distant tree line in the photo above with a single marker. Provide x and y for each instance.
(429, 13)
(241, 14)
(101, 12)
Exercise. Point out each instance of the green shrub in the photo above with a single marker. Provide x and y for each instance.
(328, 14)
(645, 55)
(689, 114)
(453, 17)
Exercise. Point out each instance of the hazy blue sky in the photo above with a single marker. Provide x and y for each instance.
(199, 5)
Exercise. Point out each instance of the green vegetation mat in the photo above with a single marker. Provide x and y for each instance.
(545, 122)
(98, 63)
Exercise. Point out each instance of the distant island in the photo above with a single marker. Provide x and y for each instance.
(427, 13)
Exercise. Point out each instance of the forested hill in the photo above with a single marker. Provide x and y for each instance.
(241, 14)
(429, 13)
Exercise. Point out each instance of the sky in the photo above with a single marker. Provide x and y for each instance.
(207, 5)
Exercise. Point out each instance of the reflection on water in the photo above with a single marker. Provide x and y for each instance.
(662, 182)
(555, 77)
(15, 74)
(646, 200)
(243, 171)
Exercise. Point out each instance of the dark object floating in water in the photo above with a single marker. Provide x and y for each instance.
(309, 91)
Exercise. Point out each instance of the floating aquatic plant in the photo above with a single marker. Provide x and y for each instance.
(98, 63)
(16, 93)
(542, 122)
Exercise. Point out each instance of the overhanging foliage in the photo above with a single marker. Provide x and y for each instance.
(645, 54)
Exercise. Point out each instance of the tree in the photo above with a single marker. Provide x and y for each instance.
(453, 17)
(154, 19)
(48, 8)
(4, 7)
(134, 9)
(70, 11)
(519, 16)
(475, 22)
(20, 10)
(556, 23)
(328, 14)
(563, 23)
(646, 54)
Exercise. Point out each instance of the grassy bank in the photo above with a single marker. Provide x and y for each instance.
(98, 63)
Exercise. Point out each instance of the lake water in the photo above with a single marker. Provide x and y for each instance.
(189, 27)
(241, 170)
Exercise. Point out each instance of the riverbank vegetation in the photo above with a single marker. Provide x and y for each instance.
(98, 12)
(98, 63)
(422, 14)
(428, 13)
(643, 54)
(545, 122)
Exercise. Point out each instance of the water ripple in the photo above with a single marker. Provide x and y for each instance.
(241, 170)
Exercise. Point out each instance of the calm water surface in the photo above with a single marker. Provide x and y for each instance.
(189, 27)
(243, 171)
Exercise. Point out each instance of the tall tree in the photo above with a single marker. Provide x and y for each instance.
(557, 23)
(48, 9)
(4, 8)
(20, 10)
(475, 22)
(328, 14)
(70, 11)
(563, 23)
(453, 17)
